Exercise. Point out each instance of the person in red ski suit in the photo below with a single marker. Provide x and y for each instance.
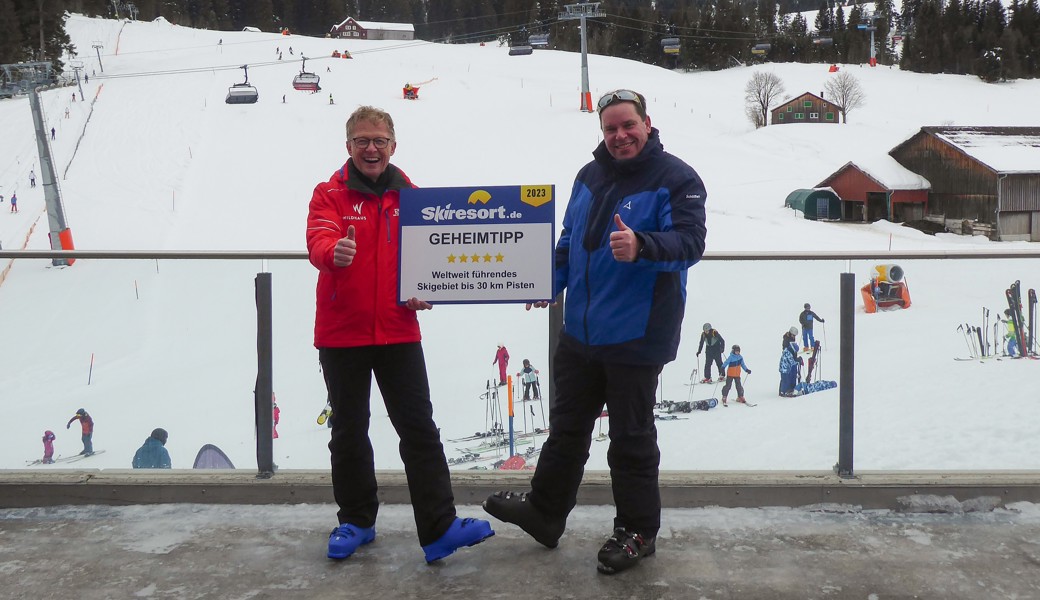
(361, 330)
(502, 358)
(276, 413)
(87, 424)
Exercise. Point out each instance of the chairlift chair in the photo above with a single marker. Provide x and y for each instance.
(539, 40)
(761, 49)
(522, 50)
(307, 82)
(242, 93)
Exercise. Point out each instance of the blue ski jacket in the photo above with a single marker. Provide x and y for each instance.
(630, 313)
(152, 455)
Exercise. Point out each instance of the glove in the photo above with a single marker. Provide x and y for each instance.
(749, 371)
(69, 426)
(698, 354)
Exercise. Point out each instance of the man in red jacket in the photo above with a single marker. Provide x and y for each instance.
(361, 330)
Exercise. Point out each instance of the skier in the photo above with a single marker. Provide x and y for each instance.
(529, 375)
(276, 414)
(734, 363)
(789, 361)
(330, 99)
(805, 319)
(87, 424)
(52, 134)
(502, 358)
(153, 454)
(48, 447)
(409, 92)
(1012, 335)
(712, 343)
(14, 202)
(32, 175)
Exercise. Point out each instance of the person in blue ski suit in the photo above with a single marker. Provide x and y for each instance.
(805, 319)
(634, 225)
(789, 362)
(733, 364)
(153, 454)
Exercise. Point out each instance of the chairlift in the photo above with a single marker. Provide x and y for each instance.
(823, 41)
(761, 49)
(539, 40)
(242, 93)
(521, 50)
(307, 82)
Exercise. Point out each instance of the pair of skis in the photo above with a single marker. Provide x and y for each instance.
(1014, 298)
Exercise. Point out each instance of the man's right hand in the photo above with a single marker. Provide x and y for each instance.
(346, 248)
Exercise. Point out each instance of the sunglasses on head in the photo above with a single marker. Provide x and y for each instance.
(618, 96)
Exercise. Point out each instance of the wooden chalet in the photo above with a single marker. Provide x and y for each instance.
(807, 108)
(979, 175)
(351, 28)
(878, 188)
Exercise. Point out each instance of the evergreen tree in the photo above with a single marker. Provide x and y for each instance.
(12, 45)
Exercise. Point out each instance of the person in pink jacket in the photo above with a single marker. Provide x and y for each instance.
(502, 358)
(48, 447)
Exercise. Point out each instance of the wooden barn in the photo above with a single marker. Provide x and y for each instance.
(371, 30)
(807, 108)
(878, 188)
(979, 175)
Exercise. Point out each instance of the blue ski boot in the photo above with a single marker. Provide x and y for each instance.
(463, 532)
(347, 538)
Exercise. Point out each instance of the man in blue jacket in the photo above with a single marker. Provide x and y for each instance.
(634, 224)
(153, 454)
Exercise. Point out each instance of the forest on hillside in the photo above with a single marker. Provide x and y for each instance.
(979, 37)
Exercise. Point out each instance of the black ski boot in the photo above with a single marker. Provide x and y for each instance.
(517, 509)
(623, 551)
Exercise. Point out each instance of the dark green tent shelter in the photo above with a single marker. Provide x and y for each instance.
(815, 204)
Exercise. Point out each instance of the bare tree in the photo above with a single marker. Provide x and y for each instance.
(845, 91)
(761, 91)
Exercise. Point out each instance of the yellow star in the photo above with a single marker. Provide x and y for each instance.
(463, 258)
(487, 258)
(476, 258)
(451, 258)
(499, 257)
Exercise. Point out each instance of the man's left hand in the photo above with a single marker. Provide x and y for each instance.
(623, 243)
(417, 304)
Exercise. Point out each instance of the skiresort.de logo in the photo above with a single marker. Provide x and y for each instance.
(447, 213)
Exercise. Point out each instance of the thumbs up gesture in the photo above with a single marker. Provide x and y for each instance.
(623, 243)
(346, 248)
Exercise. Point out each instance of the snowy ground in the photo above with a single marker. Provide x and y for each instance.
(155, 160)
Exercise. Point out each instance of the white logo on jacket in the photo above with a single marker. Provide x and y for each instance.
(357, 207)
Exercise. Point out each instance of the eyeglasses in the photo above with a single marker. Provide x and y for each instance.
(362, 143)
(617, 96)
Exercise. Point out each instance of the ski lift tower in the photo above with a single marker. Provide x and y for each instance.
(868, 25)
(33, 77)
(583, 11)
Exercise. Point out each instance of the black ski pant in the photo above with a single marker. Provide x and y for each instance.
(583, 386)
(400, 373)
(729, 383)
(712, 356)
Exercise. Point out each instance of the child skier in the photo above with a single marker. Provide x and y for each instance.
(805, 319)
(529, 375)
(789, 361)
(713, 344)
(48, 447)
(734, 363)
(1012, 335)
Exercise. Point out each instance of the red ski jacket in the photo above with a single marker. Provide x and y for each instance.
(357, 305)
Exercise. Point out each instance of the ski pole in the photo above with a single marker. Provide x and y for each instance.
(960, 328)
